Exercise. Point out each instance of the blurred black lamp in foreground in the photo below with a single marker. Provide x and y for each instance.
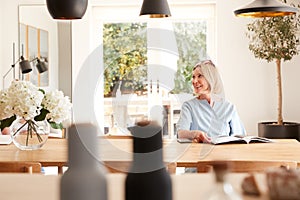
(265, 8)
(67, 9)
(155, 9)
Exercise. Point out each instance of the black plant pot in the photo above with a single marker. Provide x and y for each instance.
(288, 130)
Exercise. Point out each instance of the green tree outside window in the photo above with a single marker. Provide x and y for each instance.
(125, 55)
(124, 49)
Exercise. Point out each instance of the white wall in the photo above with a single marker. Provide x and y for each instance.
(39, 17)
(9, 11)
(1, 44)
(9, 33)
(249, 83)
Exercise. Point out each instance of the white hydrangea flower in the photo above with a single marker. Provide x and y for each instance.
(58, 105)
(5, 109)
(25, 99)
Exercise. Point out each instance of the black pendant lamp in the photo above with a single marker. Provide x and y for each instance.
(155, 9)
(265, 8)
(67, 9)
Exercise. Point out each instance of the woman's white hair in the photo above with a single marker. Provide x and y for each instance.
(212, 76)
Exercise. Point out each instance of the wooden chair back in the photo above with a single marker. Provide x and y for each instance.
(245, 166)
(20, 167)
(117, 167)
(116, 137)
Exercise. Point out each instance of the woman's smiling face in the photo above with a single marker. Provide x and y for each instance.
(200, 84)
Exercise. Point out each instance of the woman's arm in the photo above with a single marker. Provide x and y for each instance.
(236, 125)
(184, 124)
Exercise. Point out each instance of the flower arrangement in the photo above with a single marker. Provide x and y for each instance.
(24, 100)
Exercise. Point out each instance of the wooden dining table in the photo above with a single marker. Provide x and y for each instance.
(116, 154)
(279, 150)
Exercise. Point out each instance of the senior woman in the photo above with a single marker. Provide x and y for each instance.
(209, 114)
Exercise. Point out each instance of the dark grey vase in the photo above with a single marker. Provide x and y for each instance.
(85, 178)
(148, 178)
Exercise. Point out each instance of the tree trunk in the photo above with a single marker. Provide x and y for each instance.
(279, 116)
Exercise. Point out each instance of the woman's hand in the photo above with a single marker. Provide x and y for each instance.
(200, 136)
(194, 135)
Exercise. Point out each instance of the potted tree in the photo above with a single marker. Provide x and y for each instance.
(276, 39)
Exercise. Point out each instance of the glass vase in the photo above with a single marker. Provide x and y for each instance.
(29, 134)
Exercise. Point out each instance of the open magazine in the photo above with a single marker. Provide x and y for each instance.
(240, 139)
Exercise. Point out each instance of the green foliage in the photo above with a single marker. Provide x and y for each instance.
(124, 49)
(42, 115)
(55, 125)
(7, 122)
(191, 43)
(274, 38)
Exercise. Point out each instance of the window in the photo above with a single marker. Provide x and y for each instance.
(150, 59)
(125, 57)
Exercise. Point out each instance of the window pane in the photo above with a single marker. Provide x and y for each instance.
(125, 48)
(192, 47)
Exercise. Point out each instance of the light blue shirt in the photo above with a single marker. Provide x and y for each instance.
(221, 119)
